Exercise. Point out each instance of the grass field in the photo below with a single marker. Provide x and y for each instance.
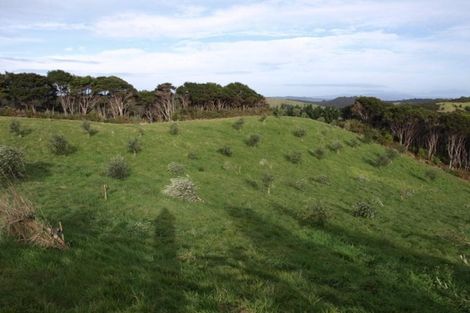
(452, 106)
(276, 102)
(240, 249)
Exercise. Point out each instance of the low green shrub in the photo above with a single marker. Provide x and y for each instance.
(12, 164)
(267, 180)
(263, 118)
(86, 126)
(192, 155)
(335, 146)
(430, 174)
(59, 145)
(353, 143)
(321, 179)
(15, 128)
(253, 140)
(299, 132)
(294, 157)
(315, 215)
(391, 153)
(382, 160)
(118, 168)
(176, 169)
(174, 129)
(225, 150)
(319, 153)
(133, 146)
(238, 124)
(364, 209)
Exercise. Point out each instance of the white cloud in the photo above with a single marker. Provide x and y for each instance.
(283, 66)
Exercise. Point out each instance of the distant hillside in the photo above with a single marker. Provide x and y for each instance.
(278, 101)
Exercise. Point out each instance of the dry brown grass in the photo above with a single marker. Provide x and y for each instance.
(19, 220)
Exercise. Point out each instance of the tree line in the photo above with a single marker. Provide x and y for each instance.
(110, 97)
(439, 137)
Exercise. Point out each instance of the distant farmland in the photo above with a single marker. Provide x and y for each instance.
(275, 102)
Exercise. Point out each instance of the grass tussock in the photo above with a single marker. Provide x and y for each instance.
(19, 220)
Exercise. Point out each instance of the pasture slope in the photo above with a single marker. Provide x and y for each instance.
(240, 249)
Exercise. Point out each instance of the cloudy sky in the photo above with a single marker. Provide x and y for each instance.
(317, 48)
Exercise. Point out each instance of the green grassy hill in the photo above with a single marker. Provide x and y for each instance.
(240, 249)
(452, 106)
(276, 102)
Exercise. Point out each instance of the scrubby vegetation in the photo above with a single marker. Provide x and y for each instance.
(59, 145)
(133, 146)
(118, 168)
(253, 140)
(254, 243)
(12, 163)
(294, 157)
(225, 150)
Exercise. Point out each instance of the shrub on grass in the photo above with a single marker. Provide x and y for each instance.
(174, 129)
(182, 188)
(430, 174)
(299, 184)
(321, 179)
(263, 118)
(12, 163)
(15, 128)
(118, 168)
(364, 209)
(192, 155)
(59, 145)
(253, 140)
(294, 157)
(319, 153)
(133, 146)
(315, 215)
(391, 153)
(238, 124)
(225, 150)
(353, 143)
(176, 169)
(267, 180)
(86, 126)
(335, 146)
(382, 161)
(299, 132)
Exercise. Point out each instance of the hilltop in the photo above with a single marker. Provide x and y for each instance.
(240, 249)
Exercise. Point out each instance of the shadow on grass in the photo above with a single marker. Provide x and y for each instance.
(37, 171)
(333, 274)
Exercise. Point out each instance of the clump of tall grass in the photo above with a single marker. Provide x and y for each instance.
(238, 124)
(12, 163)
(59, 145)
(133, 146)
(176, 169)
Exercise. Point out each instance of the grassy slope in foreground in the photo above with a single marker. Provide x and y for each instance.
(241, 250)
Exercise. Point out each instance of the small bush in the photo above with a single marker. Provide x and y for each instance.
(12, 163)
(430, 174)
(299, 132)
(321, 179)
(15, 128)
(59, 145)
(391, 153)
(225, 150)
(364, 209)
(174, 129)
(353, 143)
(319, 153)
(263, 118)
(86, 126)
(315, 215)
(192, 156)
(176, 169)
(335, 146)
(133, 146)
(267, 181)
(182, 188)
(118, 168)
(299, 184)
(238, 124)
(294, 157)
(253, 140)
(382, 161)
